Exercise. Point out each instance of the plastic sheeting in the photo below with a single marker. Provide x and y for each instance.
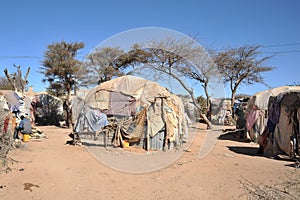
(142, 90)
(3, 103)
(90, 119)
(122, 105)
(13, 100)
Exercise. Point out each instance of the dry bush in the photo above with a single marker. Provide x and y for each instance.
(289, 189)
(6, 144)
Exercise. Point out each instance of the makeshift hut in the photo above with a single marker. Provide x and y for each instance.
(47, 109)
(139, 112)
(4, 115)
(220, 111)
(257, 110)
(17, 104)
(283, 125)
(192, 113)
(240, 106)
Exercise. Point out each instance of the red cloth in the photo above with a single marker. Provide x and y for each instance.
(6, 122)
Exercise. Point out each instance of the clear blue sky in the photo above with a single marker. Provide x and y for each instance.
(27, 27)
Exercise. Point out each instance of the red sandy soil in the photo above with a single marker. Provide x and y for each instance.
(51, 169)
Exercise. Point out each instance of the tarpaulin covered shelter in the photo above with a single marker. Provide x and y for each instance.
(257, 107)
(17, 102)
(140, 110)
(283, 124)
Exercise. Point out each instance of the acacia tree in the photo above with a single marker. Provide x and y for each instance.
(243, 65)
(56, 89)
(103, 64)
(63, 70)
(203, 71)
(176, 59)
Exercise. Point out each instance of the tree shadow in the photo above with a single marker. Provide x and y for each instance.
(233, 135)
(253, 151)
(249, 151)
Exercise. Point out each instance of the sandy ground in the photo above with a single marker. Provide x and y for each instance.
(51, 169)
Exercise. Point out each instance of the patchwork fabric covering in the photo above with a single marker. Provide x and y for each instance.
(283, 124)
(257, 110)
(139, 109)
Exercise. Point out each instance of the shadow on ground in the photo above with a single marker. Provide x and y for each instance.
(249, 151)
(233, 135)
(253, 151)
(295, 164)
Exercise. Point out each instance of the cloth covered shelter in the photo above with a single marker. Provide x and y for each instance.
(137, 109)
(257, 110)
(283, 124)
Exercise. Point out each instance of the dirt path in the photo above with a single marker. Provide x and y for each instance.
(50, 169)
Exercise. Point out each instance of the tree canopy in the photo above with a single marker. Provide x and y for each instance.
(61, 67)
(63, 71)
(182, 60)
(103, 64)
(243, 65)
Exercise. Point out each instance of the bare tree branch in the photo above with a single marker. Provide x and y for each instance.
(243, 65)
(9, 78)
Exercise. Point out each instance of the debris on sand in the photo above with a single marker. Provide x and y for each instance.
(28, 186)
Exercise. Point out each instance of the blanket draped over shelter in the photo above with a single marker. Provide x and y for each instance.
(257, 110)
(138, 109)
(273, 119)
(283, 124)
(92, 119)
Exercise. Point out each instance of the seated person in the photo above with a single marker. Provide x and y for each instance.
(24, 127)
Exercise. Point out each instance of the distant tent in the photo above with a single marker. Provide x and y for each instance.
(283, 124)
(219, 110)
(141, 110)
(257, 107)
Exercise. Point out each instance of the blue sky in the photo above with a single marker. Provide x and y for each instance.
(27, 27)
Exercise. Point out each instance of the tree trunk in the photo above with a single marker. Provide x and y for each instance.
(10, 80)
(69, 109)
(191, 93)
(208, 111)
(233, 92)
(209, 125)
